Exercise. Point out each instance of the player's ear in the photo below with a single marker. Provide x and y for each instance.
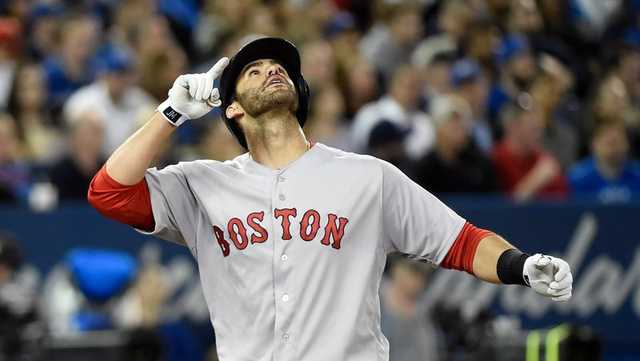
(234, 110)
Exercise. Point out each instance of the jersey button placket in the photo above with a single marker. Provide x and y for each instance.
(281, 270)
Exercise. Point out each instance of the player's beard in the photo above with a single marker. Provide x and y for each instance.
(259, 101)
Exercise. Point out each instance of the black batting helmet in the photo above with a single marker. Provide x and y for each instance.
(278, 49)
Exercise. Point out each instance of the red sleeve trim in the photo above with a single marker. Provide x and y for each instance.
(463, 250)
(126, 204)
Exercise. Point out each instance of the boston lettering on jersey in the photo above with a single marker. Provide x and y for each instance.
(310, 224)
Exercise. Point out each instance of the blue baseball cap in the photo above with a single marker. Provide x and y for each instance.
(341, 22)
(41, 10)
(116, 61)
(386, 132)
(511, 46)
(465, 71)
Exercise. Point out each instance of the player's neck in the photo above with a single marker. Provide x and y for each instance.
(276, 140)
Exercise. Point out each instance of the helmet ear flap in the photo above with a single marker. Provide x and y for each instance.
(302, 87)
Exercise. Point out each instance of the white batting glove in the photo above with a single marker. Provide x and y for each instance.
(548, 276)
(193, 95)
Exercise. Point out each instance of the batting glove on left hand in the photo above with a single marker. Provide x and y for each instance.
(549, 276)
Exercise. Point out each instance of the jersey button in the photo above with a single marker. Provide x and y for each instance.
(285, 298)
(285, 337)
(281, 197)
(284, 258)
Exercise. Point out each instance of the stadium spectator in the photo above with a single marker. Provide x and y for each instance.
(525, 18)
(628, 65)
(390, 42)
(612, 102)
(72, 174)
(340, 31)
(386, 141)
(471, 84)
(262, 21)
(15, 175)
(525, 169)
(400, 107)
(405, 318)
(161, 60)
(436, 74)
(74, 64)
(479, 43)
(609, 174)
(42, 24)
(115, 98)
(129, 19)
(628, 70)
(21, 332)
(455, 164)
(548, 91)
(326, 122)
(9, 55)
(43, 141)
(518, 67)
(360, 85)
(454, 19)
(318, 64)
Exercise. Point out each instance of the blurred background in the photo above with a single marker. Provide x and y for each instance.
(522, 115)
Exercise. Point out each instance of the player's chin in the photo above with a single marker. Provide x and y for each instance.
(280, 94)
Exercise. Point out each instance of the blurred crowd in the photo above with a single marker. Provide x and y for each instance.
(534, 99)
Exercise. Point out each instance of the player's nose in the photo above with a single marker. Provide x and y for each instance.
(274, 69)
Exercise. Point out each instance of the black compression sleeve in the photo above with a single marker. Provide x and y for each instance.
(510, 267)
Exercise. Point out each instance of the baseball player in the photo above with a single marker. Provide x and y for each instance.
(291, 237)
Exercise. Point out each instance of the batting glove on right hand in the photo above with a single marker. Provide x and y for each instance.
(193, 95)
(549, 276)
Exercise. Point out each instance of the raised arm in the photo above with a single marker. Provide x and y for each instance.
(189, 98)
(119, 190)
(128, 163)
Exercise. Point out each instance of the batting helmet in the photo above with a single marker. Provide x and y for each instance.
(278, 49)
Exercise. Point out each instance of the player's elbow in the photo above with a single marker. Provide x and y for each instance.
(95, 197)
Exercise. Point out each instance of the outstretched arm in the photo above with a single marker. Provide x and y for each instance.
(416, 223)
(491, 258)
(486, 259)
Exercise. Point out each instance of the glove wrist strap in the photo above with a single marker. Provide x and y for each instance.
(511, 266)
(172, 115)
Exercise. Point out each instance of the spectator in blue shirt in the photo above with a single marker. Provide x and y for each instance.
(518, 65)
(75, 64)
(609, 174)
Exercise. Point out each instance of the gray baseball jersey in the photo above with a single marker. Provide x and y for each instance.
(290, 260)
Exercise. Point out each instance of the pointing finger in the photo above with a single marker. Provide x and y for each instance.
(217, 68)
